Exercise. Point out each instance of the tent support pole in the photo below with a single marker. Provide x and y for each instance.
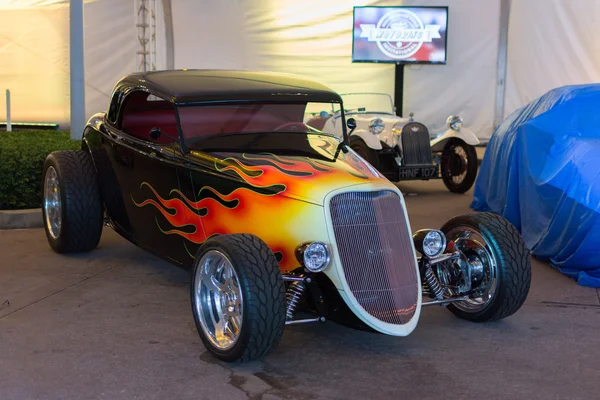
(77, 68)
(399, 88)
(502, 65)
(168, 15)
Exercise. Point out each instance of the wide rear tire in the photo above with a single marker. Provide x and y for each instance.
(493, 237)
(71, 202)
(238, 297)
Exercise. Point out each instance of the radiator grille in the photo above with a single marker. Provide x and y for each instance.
(376, 253)
(416, 149)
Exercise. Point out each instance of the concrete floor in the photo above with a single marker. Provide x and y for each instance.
(116, 324)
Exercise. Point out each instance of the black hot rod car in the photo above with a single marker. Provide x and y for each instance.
(215, 171)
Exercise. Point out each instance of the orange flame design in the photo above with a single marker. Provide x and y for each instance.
(268, 206)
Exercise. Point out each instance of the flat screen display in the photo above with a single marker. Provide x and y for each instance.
(404, 35)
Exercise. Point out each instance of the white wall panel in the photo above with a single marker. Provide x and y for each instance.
(551, 43)
(110, 44)
(466, 85)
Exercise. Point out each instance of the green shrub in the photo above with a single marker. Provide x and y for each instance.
(22, 155)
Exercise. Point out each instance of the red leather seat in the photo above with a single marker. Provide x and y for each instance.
(139, 123)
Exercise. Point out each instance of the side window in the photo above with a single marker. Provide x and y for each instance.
(142, 112)
(115, 102)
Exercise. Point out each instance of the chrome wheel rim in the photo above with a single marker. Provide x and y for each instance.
(52, 203)
(461, 157)
(218, 300)
(476, 249)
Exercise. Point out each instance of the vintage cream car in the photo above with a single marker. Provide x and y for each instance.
(400, 148)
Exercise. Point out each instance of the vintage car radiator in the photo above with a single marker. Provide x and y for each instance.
(375, 249)
(416, 149)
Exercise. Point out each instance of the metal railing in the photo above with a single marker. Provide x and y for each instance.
(8, 125)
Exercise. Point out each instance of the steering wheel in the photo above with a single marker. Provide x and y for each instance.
(293, 126)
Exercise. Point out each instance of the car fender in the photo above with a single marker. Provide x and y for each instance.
(466, 135)
(372, 141)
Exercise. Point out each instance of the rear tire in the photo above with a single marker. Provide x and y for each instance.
(512, 271)
(71, 202)
(361, 148)
(256, 297)
(459, 166)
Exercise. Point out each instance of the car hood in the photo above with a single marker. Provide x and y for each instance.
(307, 172)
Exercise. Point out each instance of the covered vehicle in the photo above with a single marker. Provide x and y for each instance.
(215, 171)
(541, 171)
(401, 148)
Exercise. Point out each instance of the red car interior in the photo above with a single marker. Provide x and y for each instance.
(140, 115)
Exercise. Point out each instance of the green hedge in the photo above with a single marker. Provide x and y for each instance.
(22, 155)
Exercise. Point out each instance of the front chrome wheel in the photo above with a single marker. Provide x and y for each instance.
(52, 203)
(480, 257)
(499, 266)
(218, 300)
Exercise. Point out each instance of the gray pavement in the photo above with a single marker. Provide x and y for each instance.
(116, 324)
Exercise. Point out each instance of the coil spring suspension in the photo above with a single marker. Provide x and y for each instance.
(294, 293)
(432, 284)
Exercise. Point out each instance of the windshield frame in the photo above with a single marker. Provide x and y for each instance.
(391, 111)
(186, 143)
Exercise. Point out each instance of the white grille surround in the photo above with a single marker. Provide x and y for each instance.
(382, 317)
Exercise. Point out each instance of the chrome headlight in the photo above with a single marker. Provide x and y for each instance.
(454, 122)
(315, 256)
(430, 242)
(397, 128)
(376, 126)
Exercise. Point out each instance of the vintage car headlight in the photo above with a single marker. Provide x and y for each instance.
(397, 128)
(315, 256)
(454, 122)
(430, 242)
(376, 126)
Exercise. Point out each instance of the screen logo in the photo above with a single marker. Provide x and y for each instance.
(399, 34)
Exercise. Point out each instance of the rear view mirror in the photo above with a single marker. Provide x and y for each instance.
(351, 124)
(155, 133)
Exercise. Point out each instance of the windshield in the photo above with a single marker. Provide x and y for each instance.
(371, 102)
(199, 122)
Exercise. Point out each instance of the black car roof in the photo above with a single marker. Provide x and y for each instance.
(201, 86)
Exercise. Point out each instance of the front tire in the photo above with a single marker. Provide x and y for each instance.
(71, 202)
(361, 148)
(493, 241)
(238, 297)
(459, 166)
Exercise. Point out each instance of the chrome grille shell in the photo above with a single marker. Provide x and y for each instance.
(374, 255)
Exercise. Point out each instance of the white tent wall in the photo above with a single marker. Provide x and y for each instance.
(466, 85)
(34, 62)
(551, 43)
(314, 39)
(34, 55)
(110, 46)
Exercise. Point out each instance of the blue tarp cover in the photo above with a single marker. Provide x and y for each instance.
(541, 171)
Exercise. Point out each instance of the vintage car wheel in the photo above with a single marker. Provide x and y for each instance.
(459, 166)
(361, 148)
(71, 203)
(238, 297)
(497, 247)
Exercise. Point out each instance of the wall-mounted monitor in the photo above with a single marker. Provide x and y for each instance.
(402, 35)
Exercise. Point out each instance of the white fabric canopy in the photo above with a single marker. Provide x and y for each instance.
(549, 45)
(552, 43)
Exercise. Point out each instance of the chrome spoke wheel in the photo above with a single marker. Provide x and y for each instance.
(218, 300)
(480, 256)
(52, 203)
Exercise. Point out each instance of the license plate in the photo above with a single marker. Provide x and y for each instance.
(407, 173)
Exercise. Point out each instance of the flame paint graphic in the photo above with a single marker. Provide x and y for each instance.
(267, 206)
